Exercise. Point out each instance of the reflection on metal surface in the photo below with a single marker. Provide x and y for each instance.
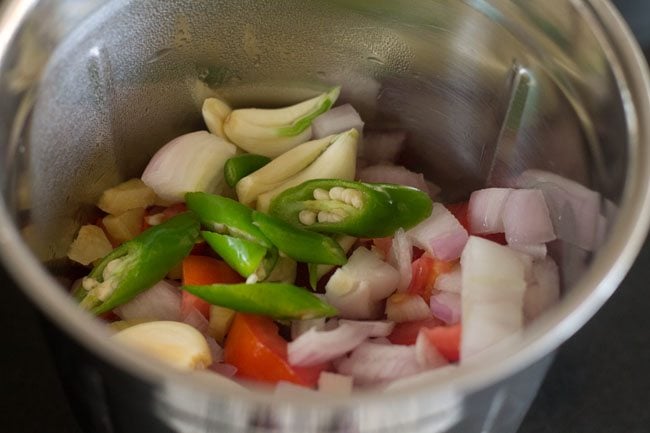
(502, 151)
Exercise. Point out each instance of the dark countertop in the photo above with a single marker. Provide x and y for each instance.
(600, 381)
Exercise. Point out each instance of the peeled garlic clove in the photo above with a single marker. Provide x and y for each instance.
(280, 169)
(272, 132)
(214, 113)
(175, 343)
(337, 162)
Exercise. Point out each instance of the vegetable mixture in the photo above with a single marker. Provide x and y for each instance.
(282, 246)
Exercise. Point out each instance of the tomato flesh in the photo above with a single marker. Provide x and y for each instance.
(254, 346)
(425, 270)
(406, 333)
(446, 339)
(199, 271)
(383, 244)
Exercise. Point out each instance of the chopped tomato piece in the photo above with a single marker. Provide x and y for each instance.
(201, 248)
(200, 270)
(174, 210)
(405, 333)
(383, 244)
(446, 339)
(254, 346)
(425, 271)
(461, 210)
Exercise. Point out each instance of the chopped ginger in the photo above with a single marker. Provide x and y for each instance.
(125, 196)
(91, 244)
(125, 226)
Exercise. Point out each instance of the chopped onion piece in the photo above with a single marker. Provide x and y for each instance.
(395, 174)
(375, 363)
(315, 347)
(356, 304)
(227, 370)
(493, 294)
(335, 384)
(434, 189)
(401, 256)
(441, 235)
(405, 307)
(544, 291)
(449, 281)
(160, 302)
(426, 354)
(382, 146)
(338, 119)
(191, 162)
(215, 350)
(526, 218)
(356, 288)
(446, 306)
(485, 210)
(197, 320)
(537, 251)
(574, 209)
(374, 328)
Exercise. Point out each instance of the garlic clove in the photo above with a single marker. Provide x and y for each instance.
(337, 162)
(272, 132)
(214, 113)
(280, 169)
(175, 343)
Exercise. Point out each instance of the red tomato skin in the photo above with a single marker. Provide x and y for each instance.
(447, 340)
(383, 244)
(199, 271)
(425, 271)
(406, 333)
(202, 270)
(259, 353)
